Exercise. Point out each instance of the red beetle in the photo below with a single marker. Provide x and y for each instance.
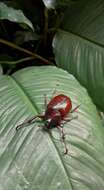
(56, 111)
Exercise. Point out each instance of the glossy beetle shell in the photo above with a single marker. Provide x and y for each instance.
(60, 103)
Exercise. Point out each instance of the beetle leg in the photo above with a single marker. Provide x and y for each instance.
(73, 110)
(68, 120)
(63, 138)
(29, 121)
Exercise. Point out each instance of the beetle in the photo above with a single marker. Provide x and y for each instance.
(55, 114)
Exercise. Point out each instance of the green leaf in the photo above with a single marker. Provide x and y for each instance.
(14, 15)
(86, 18)
(33, 159)
(52, 4)
(81, 51)
(84, 59)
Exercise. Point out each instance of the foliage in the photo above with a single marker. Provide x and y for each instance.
(34, 35)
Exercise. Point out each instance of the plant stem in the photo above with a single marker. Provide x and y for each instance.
(18, 61)
(45, 25)
(10, 44)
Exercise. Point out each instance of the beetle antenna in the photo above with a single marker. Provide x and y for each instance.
(75, 108)
(53, 93)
